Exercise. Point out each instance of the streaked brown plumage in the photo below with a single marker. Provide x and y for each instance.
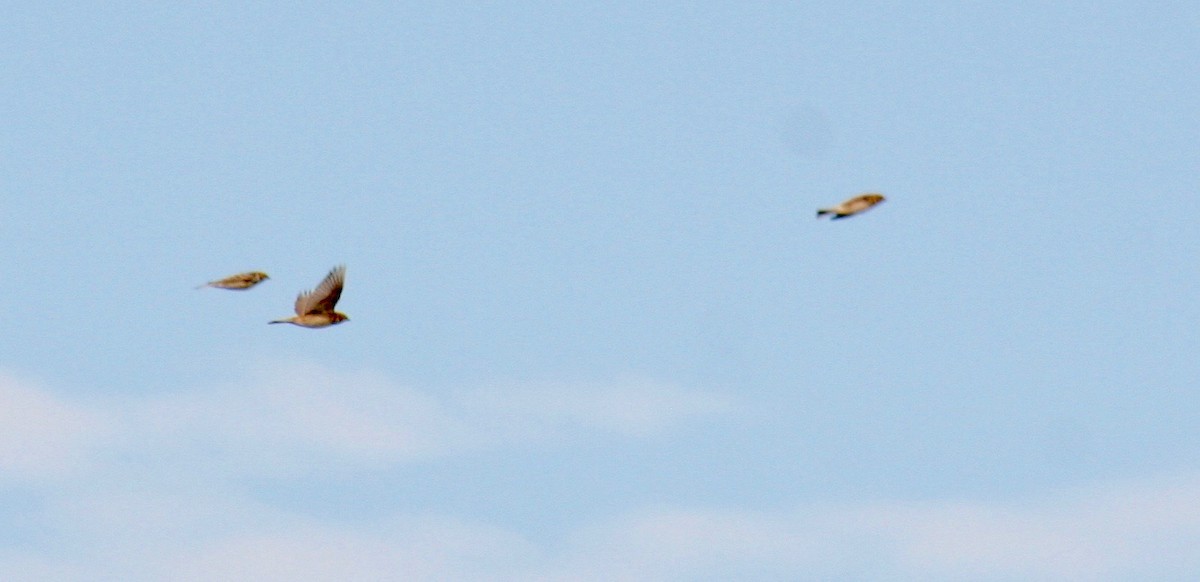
(315, 308)
(853, 206)
(240, 281)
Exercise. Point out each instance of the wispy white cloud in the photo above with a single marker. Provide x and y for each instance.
(288, 416)
(119, 499)
(416, 549)
(663, 544)
(1139, 530)
(282, 417)
(1145, 530)
(146, 487)
(33, 566)
(43, 434)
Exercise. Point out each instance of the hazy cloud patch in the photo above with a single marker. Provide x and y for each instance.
(43, 434)
(283, 417)
(416, 549)
(1144, 530)
(155, 487)
(1141, 530)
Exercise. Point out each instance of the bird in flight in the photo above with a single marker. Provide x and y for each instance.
(240, 281)
(315, 308)
(853, 206)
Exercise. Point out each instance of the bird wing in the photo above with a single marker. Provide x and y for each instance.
(325, 296)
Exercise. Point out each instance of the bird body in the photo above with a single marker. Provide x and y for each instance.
(238, 282)
(853, 206)
(315, 308)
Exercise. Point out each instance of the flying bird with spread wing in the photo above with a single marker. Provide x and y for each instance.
(860, 203)
(315, 308)
(238, 282)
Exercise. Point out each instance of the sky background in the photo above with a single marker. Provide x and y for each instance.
(596, 331)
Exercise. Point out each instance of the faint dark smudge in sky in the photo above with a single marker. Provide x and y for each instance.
(808, 132)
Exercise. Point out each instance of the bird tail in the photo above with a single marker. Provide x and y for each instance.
(823, 212)
(280, 321)
(200, 286)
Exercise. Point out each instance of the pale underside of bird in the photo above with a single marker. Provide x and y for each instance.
(315, 308)
(855, 205)
(238, 282)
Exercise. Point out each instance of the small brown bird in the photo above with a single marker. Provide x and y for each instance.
(240, 281)
(852, 206)
(315, 308)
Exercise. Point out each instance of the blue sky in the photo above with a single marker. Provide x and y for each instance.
(596, 331)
